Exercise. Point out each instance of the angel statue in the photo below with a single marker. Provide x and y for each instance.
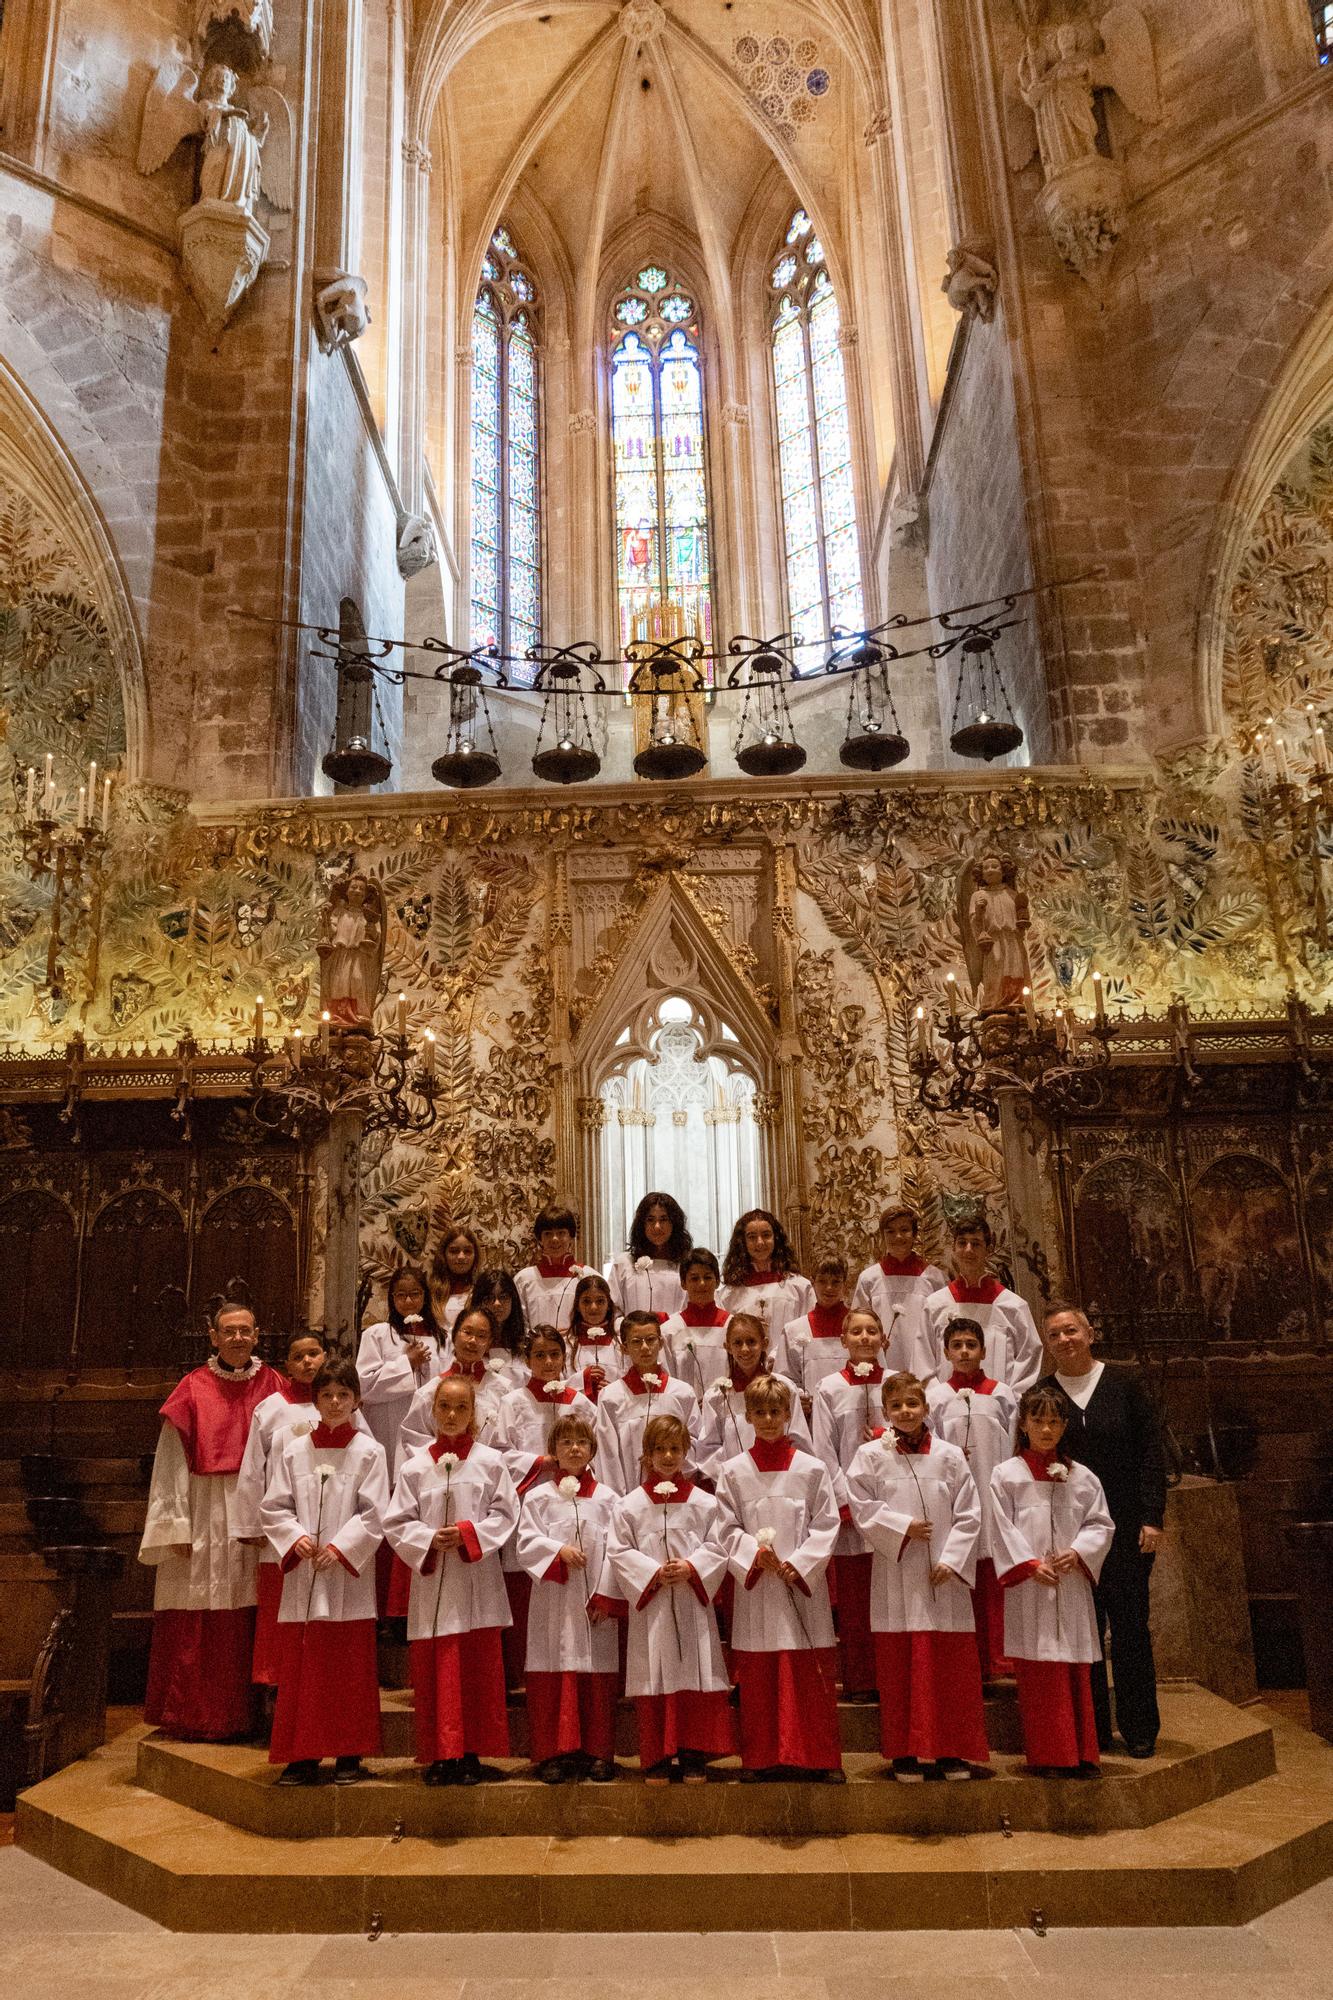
(351, 951)
(245, 151)
(993, 917)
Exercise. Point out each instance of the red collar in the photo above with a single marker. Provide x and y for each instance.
(981, 1385)
(918, 1450)
(296, 1392)
(476, 1373)
(537, 1390)
(585, 1337)
(902, 1267)
(765, 1277)
(740, 1383)
(680, 1491)
(459, 1446)
(564, 1269)
(862, 1381)
(327, 1440)
(826, 1321)
(773, 1455)
(984, 1294)
(705, 1316)
(638, 1387)
(1039, 1463)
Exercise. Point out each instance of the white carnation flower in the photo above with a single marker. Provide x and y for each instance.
(568, 1488)
(494, 1365)
(643, 1263)
(765, 1537)
(553, 1389)
(325, 1474)
(1057, 1470)
(966, 1395)
(665, 1487)
(449, 1461)
(863, 1368)
(722, 1384)
(413, 1319)
(651, 1381)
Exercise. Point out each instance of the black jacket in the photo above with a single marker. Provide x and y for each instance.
(1118, 1437)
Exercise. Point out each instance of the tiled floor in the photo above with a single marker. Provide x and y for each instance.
(59, 1939)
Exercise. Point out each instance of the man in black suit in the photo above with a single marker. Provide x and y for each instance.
(1115, 1433)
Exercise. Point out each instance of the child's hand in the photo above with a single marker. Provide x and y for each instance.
(675, 1572)
(597, 1614)
(418, 1353)
(305, 1548)
(446, 1538)
(920, 1531)
(789, 1574)
(326, 1557)
(1046, 1573)
(182, 1549)
(573, 1558)
(1065, 1563)
(808, 1405)
(595, 1377)
(943, 1574)
(770, 1560)
(867, 1433)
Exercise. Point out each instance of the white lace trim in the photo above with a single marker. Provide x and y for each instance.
(246, 1374)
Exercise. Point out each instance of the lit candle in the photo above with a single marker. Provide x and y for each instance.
(82, 819)
(1060, 1035)
(1320, 750)
(1280, 758)
(922, 1039)
(297, 1038)
(32, 792)
(49, 788)
(1098, 996)
(1029, 1009)
(92, 784)
(951, 988)
(259, 1017)
(324, 1034)
(402, 1013)
(428, 1054)
(106, 805)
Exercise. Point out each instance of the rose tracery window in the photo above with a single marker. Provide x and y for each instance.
(663, 572)
(506, 455)
(821, 544)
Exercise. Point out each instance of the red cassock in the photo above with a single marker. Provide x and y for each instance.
(204, 1602)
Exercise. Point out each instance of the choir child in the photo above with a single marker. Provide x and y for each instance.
(453, 1509)
(496, 1288)
(323, 1512)
(759, 1273)
(546, 1287)
(398, 1357)
(694, 1337)
(1052, 1531)
(897, 1287)
(846, 1413)
(1013, 1345)
(572, 1670)
(520, 1433)
(646, 1277)
(595, 1357)
(916, 1503)
(204, 1591)
(724, 1423)
(980, 1415)
(778, 1504)
(474, 1335)
(291, 1409)
(455, 1271)
(645, 1390)
(668, 1552)
(810, 1347)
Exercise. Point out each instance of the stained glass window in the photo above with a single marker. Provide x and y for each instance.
(663, 586)
(506, 457)
(1321, 14)
(822, 546)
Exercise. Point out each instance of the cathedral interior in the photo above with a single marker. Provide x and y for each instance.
(771, 568)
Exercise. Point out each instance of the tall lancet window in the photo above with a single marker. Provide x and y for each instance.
(506, 546)
(823, 551)
(663, 584)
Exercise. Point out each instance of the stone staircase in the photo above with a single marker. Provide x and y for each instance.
(1234, 1814)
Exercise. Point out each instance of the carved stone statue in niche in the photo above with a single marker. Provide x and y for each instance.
(351, 951)
(1052, 110)
(993, 917)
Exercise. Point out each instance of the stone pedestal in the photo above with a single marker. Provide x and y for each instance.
(1311, 1542)
(1200, 1607)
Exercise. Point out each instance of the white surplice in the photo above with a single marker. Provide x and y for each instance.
(1031, 1517)
(549, 1301)
(418, 1425)
(698, 1354)
(656, 1290)
(561, 1637)
(888, 1490)
(389, 1381)
(798, 1505)
(449, 1593)
(339, 1497)
(622, 1418)
(1013, 1345)
(670, 1654)
(983, 1427)
(725, 1430)
(900, 1304)
(843, 1411)
(772, 1305)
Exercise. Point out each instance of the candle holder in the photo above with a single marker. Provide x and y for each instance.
(965, 1062)
(387, 1080)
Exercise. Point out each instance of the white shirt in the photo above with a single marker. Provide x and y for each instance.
(1079, 1388)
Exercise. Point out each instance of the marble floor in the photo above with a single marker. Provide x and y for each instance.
(58, 1939)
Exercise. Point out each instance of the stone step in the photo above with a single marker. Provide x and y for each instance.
(1221, 1862)
(235, 1783)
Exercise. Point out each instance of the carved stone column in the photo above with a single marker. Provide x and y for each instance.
(342, 1227)
(585, 511)
(786, 1140)
(417, 168)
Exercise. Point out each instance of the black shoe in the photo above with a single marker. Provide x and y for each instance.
(834, 1777)
(470, 1769)
(601, 1771)
(1140, 1750)
(444, 1771)
(305, 1771)
(1086, 1770)
(907, 1771)
(754, 1776)
(349, 1771)
(554, 1771)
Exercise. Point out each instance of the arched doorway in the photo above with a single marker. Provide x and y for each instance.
(678, 1113)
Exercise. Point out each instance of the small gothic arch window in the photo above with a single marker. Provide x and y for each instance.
(660, 475)
(822, 548)
(506, 540)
